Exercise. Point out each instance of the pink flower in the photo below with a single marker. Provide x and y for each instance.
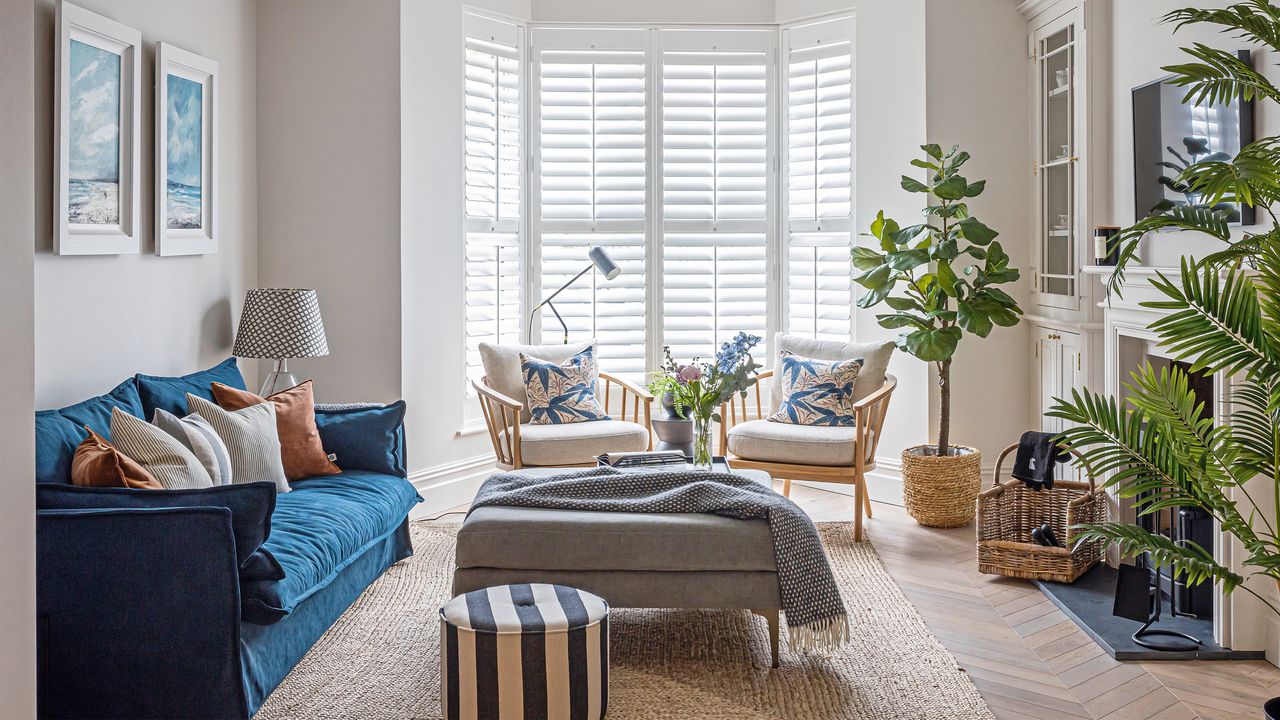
(689, 373)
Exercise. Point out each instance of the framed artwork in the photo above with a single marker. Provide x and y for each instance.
(97, 116)
(186, 152)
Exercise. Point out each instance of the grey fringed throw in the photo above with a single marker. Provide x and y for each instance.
(816, 617)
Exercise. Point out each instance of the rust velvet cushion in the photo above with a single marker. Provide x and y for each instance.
(300, 447)
(97, 463)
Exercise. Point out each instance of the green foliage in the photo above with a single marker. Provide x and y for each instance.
(1160, 447)
(935, 304)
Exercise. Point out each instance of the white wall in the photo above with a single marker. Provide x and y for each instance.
(17, 442)
(655, 11)
(101, 319)
(977, 98)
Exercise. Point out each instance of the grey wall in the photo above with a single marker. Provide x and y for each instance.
(668, 11)
(101, 319)
(329, 181)
(17, 453)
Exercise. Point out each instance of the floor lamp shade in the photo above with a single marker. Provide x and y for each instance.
(281, 323)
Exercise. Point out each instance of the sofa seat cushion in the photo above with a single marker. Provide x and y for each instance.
(319, 528)
(577, 443)
(766, 441)
(545, 539)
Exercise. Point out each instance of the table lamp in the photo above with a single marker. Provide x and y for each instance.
(280, 323)
(600, 260)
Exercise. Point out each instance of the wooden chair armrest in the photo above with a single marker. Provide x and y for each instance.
(729, 415)
(495, 396)
(632, 388)
(890, 383)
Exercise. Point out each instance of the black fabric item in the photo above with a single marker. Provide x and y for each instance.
(1050, 535)
(1036, 457)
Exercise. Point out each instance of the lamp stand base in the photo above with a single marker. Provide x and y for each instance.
(278, 379)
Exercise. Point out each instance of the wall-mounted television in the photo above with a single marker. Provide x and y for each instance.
(1168, 136)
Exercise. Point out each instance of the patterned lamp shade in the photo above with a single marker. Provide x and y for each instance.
(280, 323)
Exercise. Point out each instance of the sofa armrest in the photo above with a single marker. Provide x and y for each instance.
(365, 437)
(138, 614)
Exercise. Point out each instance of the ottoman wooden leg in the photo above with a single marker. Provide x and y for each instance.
(771, 616)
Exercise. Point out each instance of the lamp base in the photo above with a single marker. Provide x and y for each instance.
(278, 379)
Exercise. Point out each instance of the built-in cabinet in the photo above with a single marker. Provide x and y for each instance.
(1070, 194)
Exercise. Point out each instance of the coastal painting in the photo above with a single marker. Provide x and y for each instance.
(184, 143)
(93, 135)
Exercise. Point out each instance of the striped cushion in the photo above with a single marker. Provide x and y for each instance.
(251, 439)
(530, 650)
(168, 461)
(198, 436)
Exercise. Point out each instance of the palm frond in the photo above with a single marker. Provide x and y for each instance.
(1252, 177)
(1214, 223)
(1252, 21)
(1189, 561)
(1255, 419)
(1219, 78)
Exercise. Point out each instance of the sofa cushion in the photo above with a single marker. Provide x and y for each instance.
(96, 412)
(875, 361)
(561, 393)
(545, 539)
(251, 438)
(320, 528)
(98, 463)
(251, 507)
(365, 437)
(816, 392)
(301, 449)
(786, 443)
(56, 442)
(576, 443)
(502, 366)
(164, 457)
(170, 393)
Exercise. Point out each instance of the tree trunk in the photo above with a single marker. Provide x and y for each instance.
(944, 407)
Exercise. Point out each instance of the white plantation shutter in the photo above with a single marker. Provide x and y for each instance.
(493, 187)
(590, 186)
(715, 105)
(818, 126)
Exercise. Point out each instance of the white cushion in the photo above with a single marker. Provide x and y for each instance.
(169, 462)
(251, 438)
(766, 441)
(576, 443)
(875, 361)
(502, 366)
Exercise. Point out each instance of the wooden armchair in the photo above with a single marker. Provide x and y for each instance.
(779, 448)
(511, 435)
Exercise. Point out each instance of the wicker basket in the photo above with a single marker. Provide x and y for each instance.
(1010, 510)
(939, 491)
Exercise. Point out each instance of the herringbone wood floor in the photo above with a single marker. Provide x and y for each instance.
(1027, 658)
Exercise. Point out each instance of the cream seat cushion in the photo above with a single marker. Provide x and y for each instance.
(576, 443)
(875, 361)
(766, 441)
(502, 366)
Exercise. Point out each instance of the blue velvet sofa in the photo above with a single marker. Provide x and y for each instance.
(142, 612)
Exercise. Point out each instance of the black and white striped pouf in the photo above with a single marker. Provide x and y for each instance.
(524, 651)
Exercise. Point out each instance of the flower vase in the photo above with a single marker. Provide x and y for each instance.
(701, 442)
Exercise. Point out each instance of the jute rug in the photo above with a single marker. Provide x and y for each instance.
(381, 659)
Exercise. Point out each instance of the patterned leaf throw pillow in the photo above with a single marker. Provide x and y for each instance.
(562, 393)
(816, 392)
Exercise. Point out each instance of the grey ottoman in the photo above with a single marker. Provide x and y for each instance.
(643, 560)
(524, 651)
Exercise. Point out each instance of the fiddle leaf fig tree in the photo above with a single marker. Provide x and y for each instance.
(946, 270)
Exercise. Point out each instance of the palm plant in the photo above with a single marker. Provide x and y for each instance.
(1223, 316)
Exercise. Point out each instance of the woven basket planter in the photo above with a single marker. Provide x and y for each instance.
(1008, 511)
(941, 491)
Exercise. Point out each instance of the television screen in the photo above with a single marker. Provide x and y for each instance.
(1168, 136)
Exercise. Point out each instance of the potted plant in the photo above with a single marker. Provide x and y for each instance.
(936, 307)
(697, 389)
(1157, 446)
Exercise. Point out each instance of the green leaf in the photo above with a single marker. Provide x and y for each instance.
(976, 232)
(924, 164)
(866, 259)
(875, 277)
(947, 279)
(933, 150)
(961, 158)
(973, 319)
(903, 303)
(931, 345)
(901, 320)
(908, 259)
(910, 184)
(975, 189)
(950, 189)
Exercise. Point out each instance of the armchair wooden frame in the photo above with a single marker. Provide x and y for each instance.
(502, 416)
(869, 415)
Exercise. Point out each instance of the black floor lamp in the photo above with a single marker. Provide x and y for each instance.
(599, 259)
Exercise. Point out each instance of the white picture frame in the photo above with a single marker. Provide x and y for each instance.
(186, 152)
(97, 115)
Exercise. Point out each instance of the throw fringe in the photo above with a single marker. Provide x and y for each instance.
(824, 635)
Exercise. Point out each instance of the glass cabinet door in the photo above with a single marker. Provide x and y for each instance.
(1056, 164)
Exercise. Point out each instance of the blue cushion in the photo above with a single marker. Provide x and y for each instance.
(365, 438)
(251, 506)
(170, 393)
(96, 412)
(319, 528)
(56, 441)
